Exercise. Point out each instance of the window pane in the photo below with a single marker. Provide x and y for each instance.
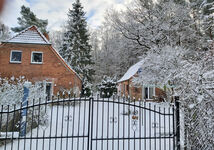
(151, 92)
(146, 93)
(16, 56)
(37, 57)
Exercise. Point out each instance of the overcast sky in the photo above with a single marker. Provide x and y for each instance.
(56, 10)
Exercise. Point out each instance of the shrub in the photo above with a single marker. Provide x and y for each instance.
(107, 87)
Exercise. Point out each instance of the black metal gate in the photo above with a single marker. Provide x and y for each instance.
(89, 124)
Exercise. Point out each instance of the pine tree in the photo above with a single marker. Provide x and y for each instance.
(76, 49)
(4, 31)
(27, 19)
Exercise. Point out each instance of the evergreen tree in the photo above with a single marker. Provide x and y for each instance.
(107, 87)
(4, 31)
(76, 49)
(27, 19)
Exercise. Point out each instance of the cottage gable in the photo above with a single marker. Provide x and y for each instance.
(30, 54)
(32, 35)
(127, 88)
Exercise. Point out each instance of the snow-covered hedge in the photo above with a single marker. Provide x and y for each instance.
(11, 94)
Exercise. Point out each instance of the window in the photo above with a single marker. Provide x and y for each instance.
(149, 92)
(16, 56)
(36, 57)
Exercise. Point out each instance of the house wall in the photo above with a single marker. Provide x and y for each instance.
(136, 92)
(132, 91)
(52, 70)
(160, 94)
(123, 88)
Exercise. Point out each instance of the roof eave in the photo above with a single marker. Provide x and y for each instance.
(27, 43)
(122, 80)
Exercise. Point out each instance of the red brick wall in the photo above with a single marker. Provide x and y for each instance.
(132, 91)
(160, 94)
(123, 88)
(136, 92)
(52, 68)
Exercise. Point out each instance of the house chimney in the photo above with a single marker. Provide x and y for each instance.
(46, 35)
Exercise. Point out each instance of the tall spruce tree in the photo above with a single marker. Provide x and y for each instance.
(27, 19)
(76, 49)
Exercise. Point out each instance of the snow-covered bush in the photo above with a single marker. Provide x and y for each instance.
(12, 91)
(11, 95)
(86, 88)
(107, 87)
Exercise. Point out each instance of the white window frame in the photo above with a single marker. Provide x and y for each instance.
(143, 91)
(11, 61)
(32, 57)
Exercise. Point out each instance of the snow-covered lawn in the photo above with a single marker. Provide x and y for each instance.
(110, 120)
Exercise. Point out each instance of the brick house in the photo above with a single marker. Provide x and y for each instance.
(126, 87)
(31, 55)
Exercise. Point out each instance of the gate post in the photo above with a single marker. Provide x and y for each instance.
(90, 123)
(24, 111)
(177, 117)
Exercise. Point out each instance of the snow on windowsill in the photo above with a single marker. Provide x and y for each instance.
(15, 62)
(37, 63)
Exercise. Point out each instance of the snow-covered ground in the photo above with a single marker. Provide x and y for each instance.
(110, 120)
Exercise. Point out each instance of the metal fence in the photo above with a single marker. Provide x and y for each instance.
(89, 124)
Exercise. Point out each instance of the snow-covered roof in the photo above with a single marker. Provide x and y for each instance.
(131, 71)
(31, 35)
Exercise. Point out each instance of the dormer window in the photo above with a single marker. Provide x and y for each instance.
(15, 56)
(37, 57)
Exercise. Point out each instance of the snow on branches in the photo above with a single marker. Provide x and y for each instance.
(12, 91)
(188, 74)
